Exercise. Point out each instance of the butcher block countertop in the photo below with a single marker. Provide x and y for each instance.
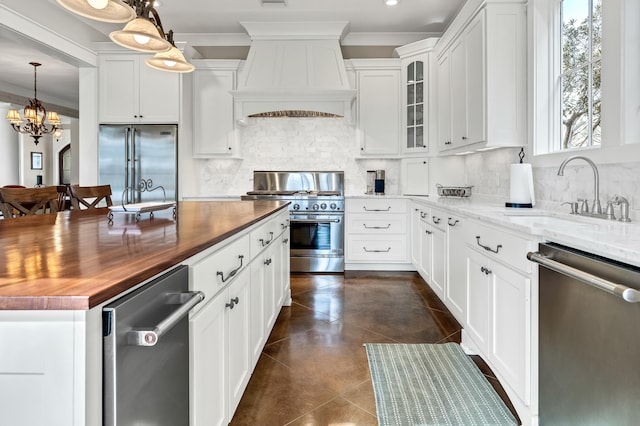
(77, 260)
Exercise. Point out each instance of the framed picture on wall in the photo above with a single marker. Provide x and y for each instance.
(36, 161)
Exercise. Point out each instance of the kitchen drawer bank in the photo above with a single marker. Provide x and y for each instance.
(376, 233)
(52, 316)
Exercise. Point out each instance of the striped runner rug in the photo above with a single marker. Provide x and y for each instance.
(432, 384)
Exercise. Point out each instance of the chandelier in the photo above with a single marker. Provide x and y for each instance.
(35, 114)
(143, 31)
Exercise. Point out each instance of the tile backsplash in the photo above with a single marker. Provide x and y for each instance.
(293, 144)
(489, 173)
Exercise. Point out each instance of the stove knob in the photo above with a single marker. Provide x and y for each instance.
(316, 207)
(296, 206)
(333, 206)
(323, 206)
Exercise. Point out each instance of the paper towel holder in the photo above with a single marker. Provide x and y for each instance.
(529, 205)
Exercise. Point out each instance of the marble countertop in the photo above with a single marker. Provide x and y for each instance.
(612, 239)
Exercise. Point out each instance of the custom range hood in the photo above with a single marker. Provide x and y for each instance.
(294, 69)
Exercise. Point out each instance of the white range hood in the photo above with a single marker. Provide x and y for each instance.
(294, 66)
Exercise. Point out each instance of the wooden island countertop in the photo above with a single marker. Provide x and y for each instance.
(81, 260)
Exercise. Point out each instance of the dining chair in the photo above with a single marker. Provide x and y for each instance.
(90, 197)
(27, 201)
(63, 195)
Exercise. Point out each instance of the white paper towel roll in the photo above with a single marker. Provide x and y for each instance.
(521, 184)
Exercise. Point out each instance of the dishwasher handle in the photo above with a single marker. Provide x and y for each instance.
(625, 293)
(149, 337)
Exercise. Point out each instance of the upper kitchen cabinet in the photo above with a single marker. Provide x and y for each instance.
(131, 92)
(213, 118)
(417, 82)
(482, 78)
(378, 106)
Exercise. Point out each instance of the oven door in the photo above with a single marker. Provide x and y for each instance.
(317, 242)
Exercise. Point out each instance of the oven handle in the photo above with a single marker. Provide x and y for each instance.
(315, 221)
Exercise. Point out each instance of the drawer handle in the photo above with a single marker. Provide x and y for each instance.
(428, 232)
(267, 262)
(485, 270)
(232, 273)
(487, 248)
(285, 241)
(423, 214)
(233, 302)
(435, 219)
(266, 243)
(376, 210)
(454, 222)
(376, 227)
(376, 251)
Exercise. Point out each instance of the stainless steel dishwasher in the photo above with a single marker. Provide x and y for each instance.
(589, 339)
(146, 353)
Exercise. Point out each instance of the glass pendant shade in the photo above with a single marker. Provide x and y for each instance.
(172, 61)
(115, 10)
(14, 116)
(142, 35)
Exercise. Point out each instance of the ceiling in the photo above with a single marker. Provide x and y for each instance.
(213, 29)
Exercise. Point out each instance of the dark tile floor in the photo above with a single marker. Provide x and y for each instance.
(313, 369)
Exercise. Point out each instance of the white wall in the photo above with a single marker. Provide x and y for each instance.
(9, 147)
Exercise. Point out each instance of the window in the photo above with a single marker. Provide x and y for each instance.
(580, 73)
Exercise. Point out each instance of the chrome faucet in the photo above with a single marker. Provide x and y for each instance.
(597, 208)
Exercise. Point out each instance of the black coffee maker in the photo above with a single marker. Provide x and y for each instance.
(378, 183)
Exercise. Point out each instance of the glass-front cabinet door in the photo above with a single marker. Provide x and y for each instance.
(415, 86)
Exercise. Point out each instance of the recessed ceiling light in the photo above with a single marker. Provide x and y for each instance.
(391, 2)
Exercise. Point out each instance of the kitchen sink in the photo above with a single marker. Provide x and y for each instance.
(547, 220)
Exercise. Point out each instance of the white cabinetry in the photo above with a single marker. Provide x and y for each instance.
(432, 265)
(456, 288)
(419, 80)
(499, 304)
(220, 354)
(244, 283)
(482, 79)
(376, 232)
(378, 106)
(415, 176)
(131, 92)
(213, 119)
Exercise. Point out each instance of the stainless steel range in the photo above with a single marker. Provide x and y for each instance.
(316, 215)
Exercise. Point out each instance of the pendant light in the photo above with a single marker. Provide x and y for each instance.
(143, 31)
(172, 60)
(115, 11)
(35, 114)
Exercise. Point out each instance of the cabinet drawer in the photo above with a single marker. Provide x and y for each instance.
(375, 205)
(508, 248)
(214, 272)
(381, 248)
(265, 234)
(377, 224)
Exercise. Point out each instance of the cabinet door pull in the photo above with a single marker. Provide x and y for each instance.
(232, 273)
(266, 242)
(376, 251)
(423, 214)
(376, 227)
(485, 270)
(376, 210)
(487, 248)
(454, 222)
(268, 262)
(435, 219)
(285, 241)
(464, 138)
(428, 232)
(233, 302)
